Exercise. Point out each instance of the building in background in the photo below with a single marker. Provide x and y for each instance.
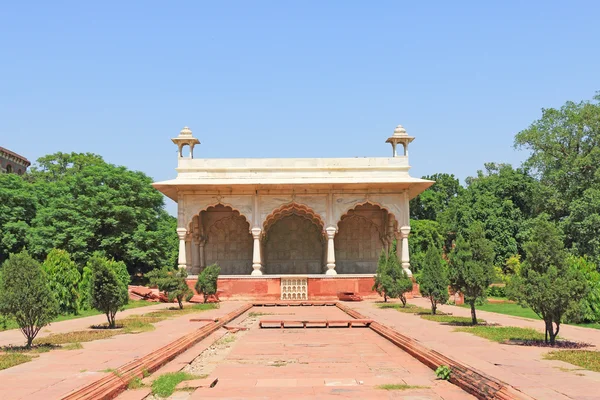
(12, 162)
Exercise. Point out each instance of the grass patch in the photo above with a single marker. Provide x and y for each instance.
(451, 320)
(77, 336)
(506, 308)
(226, 340)
(586, 359)
(409, 308)
(8, 360)
(399, 387)
(164, 385)
(258, 314)
(72, 346)
(135, 383)
(176, 311)
(133, 324)
(504, 334)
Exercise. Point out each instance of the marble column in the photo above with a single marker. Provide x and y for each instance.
(201, 254)
(405, 258)
(196, 255)
(330, 230)
(181, 260)
(256, 259)
(188, 253)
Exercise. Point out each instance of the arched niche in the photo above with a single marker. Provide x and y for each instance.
(293, 241)
(363, 232)
(227, 239)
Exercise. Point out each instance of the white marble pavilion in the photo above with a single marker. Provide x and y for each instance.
(292, 216)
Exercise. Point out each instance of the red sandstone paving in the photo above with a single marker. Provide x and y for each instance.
(56, 373)
(15, 337)
(319, 363)
(521, 366)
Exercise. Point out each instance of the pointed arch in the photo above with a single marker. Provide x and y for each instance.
(363, 231)
(293, 208)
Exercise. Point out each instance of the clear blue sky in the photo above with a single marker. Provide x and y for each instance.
(290, 79)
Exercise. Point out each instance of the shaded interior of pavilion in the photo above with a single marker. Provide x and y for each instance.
(292, 242)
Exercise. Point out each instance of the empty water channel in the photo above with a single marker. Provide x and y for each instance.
(305, 362)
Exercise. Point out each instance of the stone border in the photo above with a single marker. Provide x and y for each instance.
(467, 378)
(112, 385)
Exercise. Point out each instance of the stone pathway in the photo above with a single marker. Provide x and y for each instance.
(58, 372)
(313, 363)
(520, 366)
(15, 337)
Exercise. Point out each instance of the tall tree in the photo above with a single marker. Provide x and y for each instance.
(17, 208)
(471, 265)
(436, 198)
(423, 235)
(502, 199)
(546, 282)
(565, 152)
(88, 205)
(582, 225)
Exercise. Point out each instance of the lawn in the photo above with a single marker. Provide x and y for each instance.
(451, 320)
(506, 308)
(409, 308)
(582, 358)
(503, 334)
(11, 324)
(517, 311)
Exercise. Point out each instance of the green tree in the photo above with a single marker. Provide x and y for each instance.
(502, 199)
(546, 282)
(423, 235)
(391, 280)
(582, 225)
(435, 199)
(207, 281)
(87, 205)
(17, 208)
(171, 282)
(380, 275)
(433, 281)
(588, 309)
(63, 280)
(108, 292)
(471, 266)
(85, 289)
(25, 295)
(565, 153)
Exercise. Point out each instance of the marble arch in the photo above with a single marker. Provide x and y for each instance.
(330, 196)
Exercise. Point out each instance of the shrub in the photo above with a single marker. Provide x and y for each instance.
(25, 295)
(171, 282)
(471, 270)
(391, 279)
(547, 283)
(588, 309)
(85, 289)
(433, 282)
(108, 292)
(496, 291)
(63, 280)
(207, 281)
(443, 372)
